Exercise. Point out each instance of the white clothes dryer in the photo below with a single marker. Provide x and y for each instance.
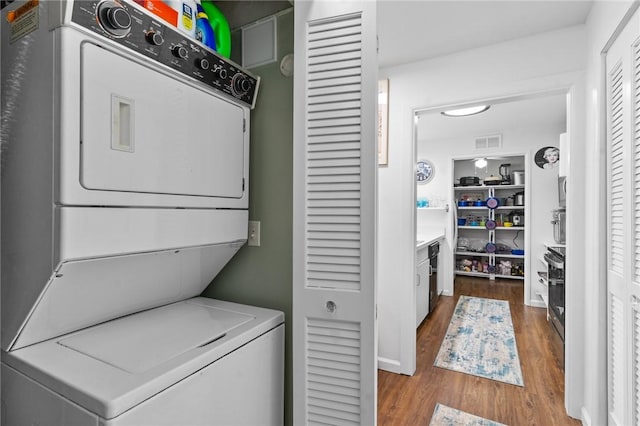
(124, 193)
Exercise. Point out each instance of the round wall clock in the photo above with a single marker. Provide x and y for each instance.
(425, 171)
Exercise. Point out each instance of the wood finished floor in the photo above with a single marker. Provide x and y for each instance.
(404, 400)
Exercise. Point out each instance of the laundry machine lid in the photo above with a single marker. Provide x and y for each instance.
(138, 343)
(142, 355)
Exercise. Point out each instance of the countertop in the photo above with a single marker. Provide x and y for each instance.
(429, 237)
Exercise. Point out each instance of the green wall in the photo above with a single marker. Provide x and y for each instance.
(261, 276)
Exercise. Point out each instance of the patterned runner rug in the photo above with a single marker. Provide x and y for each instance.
(480, 341)
(447, 416)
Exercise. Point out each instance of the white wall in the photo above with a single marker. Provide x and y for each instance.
(542, 195)
(602, 21)
(549, 61)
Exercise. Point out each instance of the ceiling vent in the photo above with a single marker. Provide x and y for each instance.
(489, 142)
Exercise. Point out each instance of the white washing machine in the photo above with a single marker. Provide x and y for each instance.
(124, 192)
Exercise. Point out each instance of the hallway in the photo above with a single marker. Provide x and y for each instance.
(404, 400)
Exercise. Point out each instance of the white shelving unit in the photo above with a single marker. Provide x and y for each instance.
(490, 265)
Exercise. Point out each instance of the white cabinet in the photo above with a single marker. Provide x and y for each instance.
(422, 284)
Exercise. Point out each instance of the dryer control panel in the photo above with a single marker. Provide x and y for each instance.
(134, 27)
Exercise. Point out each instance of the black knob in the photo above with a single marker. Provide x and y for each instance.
(245, 85)
(241, 84)
(118, 18)
(114, 18)
(180, 52)
(202, 63)
(154, 38)
(222, 73)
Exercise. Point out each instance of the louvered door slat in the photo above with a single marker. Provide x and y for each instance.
(324, 91)
(616, 332)
(616, 203)
(334, 111)
(329, 98)
(329, 146)
(333, 130)
(337, 71)
(344, 391)
(338, 30)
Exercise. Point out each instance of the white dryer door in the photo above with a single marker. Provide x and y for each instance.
(143, 131)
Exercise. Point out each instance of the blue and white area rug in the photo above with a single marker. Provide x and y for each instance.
(480, 341)
(447, 416)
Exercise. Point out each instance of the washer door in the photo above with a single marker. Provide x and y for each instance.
(143, 131)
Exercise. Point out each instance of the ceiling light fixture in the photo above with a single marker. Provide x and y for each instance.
(463, 112)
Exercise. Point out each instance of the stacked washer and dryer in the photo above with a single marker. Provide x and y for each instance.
(124, 192)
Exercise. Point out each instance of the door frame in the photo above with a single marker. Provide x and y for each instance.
(573, 323)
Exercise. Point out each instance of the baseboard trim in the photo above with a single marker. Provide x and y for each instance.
(584, 416)
(390, 365)
(537, 304)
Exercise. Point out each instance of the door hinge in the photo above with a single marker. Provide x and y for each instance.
(244, 125)
(242, 184)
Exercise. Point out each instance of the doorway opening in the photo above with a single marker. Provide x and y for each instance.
(525, 125)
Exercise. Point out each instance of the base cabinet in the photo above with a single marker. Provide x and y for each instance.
(422, 285)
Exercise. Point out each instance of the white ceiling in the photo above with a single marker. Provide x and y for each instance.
(542, 111)
(409, 31)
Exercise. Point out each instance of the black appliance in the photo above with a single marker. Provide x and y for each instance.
(434, 249)
(562, 191)
(470, 181)
(505, 172)
(555, 258)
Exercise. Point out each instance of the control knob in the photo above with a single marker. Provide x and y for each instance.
(202, 63)
(114, 18)
(155, 38)
(180, 52)
(241, 84)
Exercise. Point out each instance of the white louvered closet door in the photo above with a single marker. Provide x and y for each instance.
(335, 168)
(623, 237)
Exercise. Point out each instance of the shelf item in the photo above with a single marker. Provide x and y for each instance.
(510, 256)
(510, 208)
(471, 253)
(480, 187)
(492, 202)
(487, 275)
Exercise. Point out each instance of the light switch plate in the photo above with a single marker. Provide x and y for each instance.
(254, 233)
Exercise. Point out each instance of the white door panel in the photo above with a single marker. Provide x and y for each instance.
(143, 131)
(623, 219)
(335, 169)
